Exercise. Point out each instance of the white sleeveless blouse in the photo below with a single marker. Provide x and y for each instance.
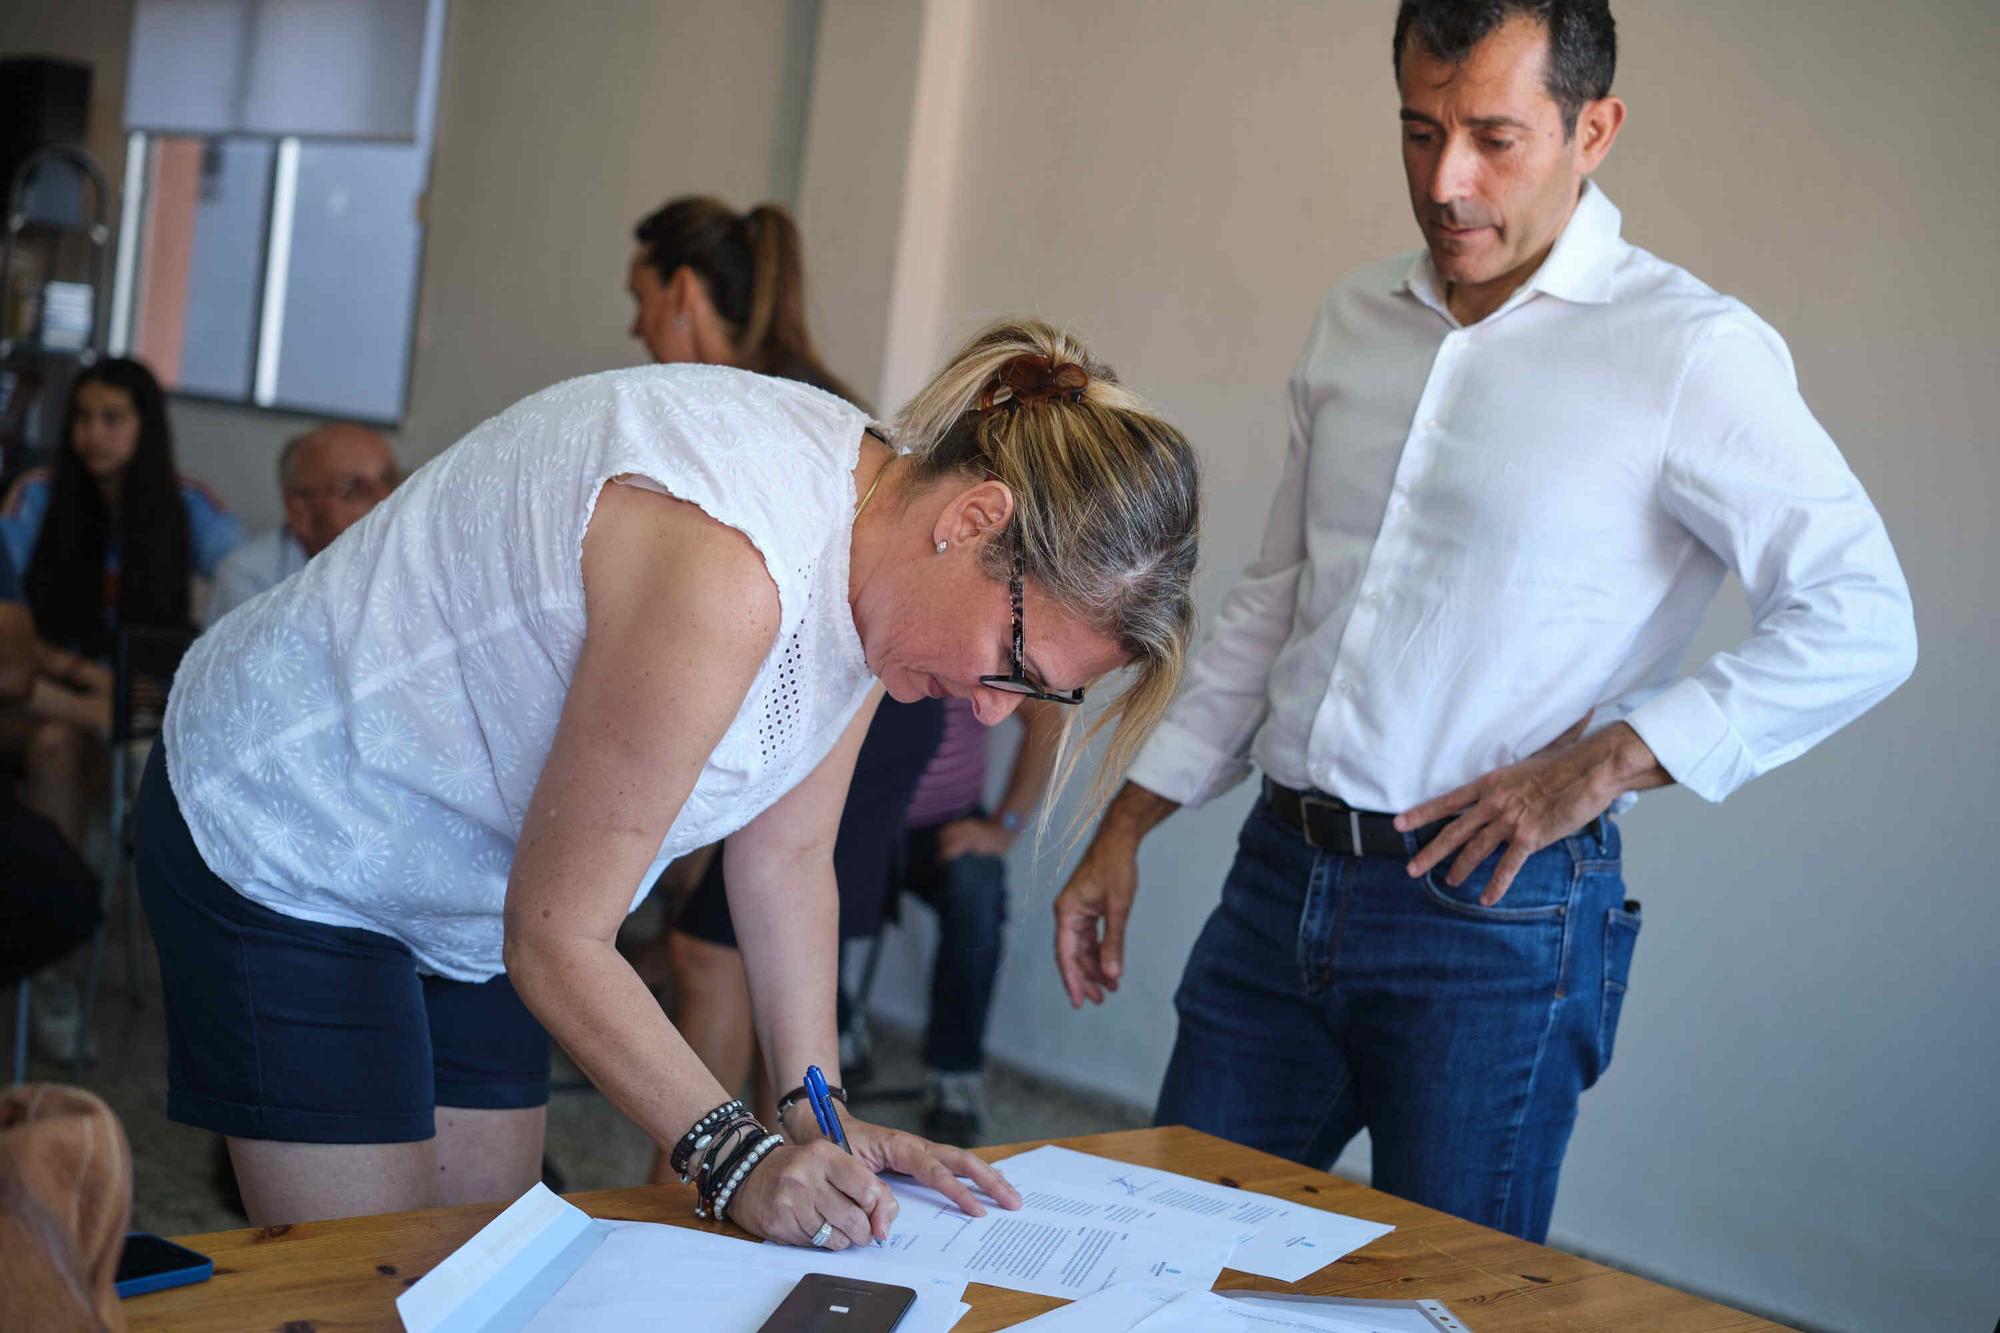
(358, 745)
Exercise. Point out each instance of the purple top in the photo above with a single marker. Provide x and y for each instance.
(952, 787)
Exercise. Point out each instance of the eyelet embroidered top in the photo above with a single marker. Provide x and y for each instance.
(358, 746)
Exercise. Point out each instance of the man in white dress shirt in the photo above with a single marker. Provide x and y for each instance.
(329, 477)
(1521, 463)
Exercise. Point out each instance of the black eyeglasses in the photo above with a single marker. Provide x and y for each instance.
(1020, 682)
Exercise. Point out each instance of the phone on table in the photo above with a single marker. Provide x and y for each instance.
(823, 1303)
(154, 1263)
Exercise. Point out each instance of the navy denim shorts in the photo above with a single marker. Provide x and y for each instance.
(285, 1029)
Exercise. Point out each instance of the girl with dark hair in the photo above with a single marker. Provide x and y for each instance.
(109, 533)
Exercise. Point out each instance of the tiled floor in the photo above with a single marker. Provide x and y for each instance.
(592, 1145)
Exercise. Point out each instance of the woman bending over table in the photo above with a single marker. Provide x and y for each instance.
(404, 800)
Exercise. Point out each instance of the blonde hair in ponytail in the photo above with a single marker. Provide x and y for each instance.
(1107, 507)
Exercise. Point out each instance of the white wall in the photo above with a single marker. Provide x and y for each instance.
(1800, 1118)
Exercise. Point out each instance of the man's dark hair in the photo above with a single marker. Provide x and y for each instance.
(1583, 40)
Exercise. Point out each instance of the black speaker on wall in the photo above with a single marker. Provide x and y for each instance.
(42, 101)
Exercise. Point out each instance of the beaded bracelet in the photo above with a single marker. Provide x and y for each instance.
(702, 1131)
(726, 1146)
(719, 1142)
(722, 1163)
(741, 1173)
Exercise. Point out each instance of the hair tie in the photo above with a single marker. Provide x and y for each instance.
(1033, 378)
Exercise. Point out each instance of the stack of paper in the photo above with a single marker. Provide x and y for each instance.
(1268, 1236)
(545, 1265)
(1141, 1244)
(1057, 1250)
(1150, 1307)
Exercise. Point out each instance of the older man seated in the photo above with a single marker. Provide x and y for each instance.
(330, 476)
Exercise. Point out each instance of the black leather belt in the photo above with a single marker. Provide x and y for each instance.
(1329, 824)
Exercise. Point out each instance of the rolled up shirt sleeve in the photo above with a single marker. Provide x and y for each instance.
(1753, 476)
(1202, 747)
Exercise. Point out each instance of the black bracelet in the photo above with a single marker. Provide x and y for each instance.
(726, 1146)
(798, 1094)
(724, 1160)
(701, 1132)
(719, 1142)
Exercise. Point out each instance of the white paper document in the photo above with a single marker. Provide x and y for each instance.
(543, 1264)
(1271, 1237)
(1206, 1312)
(649, 1276)
(1151, 1307)
(1112, 1310)
(1049, 1252)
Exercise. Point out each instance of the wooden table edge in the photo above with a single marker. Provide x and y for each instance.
(255, 1266)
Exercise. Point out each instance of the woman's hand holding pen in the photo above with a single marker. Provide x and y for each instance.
(800, 1187)
(815, 1182)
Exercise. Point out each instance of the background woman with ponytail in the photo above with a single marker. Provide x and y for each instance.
(404, 800)
(713, 286)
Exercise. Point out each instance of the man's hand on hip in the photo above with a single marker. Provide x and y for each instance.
(1528, 805)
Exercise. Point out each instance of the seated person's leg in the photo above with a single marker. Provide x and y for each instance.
(61, 776)
(48, 898)
(969, 894)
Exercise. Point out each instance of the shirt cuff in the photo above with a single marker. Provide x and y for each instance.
(1179, 765)
(1691, 737)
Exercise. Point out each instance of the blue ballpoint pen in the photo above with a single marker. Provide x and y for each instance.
(822, 1107)
(822, 1104)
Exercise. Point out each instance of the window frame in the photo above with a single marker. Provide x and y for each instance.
(274, 274)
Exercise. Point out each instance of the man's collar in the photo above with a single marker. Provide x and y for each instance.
(1578, 268)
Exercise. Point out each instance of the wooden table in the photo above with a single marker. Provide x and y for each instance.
(319, 1277)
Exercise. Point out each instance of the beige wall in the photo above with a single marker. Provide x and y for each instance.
(554, 137)
(1800, 1114)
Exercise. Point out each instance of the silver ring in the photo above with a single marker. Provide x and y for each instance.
(821, 1236)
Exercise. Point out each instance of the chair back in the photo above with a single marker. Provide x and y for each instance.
(143, 661)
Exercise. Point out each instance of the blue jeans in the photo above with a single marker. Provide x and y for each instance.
(969, 895)
(1330, 993)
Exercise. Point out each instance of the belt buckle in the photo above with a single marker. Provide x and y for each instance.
(1306, 803)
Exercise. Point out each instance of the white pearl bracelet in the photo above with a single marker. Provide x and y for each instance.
(743, 1169)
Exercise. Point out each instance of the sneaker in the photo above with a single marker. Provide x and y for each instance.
(55, 1013)
(955, 1108)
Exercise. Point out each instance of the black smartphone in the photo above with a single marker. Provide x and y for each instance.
(154, 1263)
(823, 1303)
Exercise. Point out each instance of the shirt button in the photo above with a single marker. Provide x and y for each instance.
(1433, 424)
(1340, 683)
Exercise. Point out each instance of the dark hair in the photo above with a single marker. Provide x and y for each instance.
(65, 577)
(1583, 41)
(751, 265)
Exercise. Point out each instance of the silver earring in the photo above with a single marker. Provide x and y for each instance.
(680, 323)
(941, 546)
